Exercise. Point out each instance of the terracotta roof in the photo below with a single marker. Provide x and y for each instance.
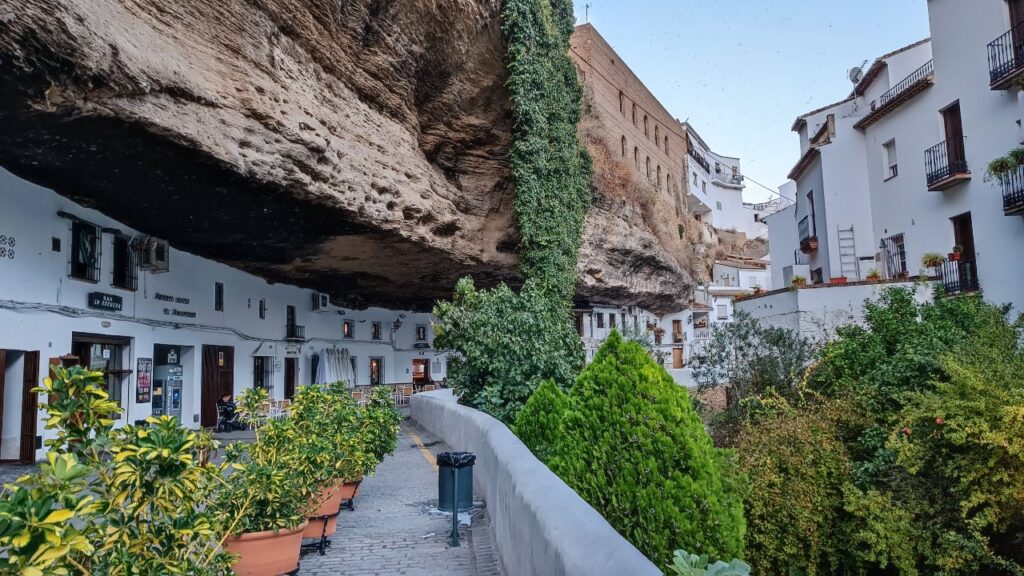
(802, 119)
(803, 163)
(699, 307)
(742, 264)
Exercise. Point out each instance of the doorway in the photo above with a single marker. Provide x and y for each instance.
(677, 358)
(291, 373)
(420, 371)
(218, 380)
(954, 125)
(19, 374)
(963, 235)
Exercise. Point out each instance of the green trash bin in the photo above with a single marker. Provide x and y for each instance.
(447, 463)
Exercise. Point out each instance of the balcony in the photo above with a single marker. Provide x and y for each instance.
(294, 333)
(728, 178)
(808, 240)
(946, 164)
(959, 277)
(1006, 58)
(906, 89)
(1013, 192)
(700, 159)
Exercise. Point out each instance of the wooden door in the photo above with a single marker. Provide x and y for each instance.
(291, 372)
(3, 371)
(218, 380)
(954, 137)
(1016, 14)
(963, 234)
(677, 358)
(29, 408)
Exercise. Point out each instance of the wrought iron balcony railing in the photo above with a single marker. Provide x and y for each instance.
(294, 332)
(701, 160)
(944, 162)
(1013, 192)
(960, 276)
(1006, 57)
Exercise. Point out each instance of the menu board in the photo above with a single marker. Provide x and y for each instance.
(144, 380)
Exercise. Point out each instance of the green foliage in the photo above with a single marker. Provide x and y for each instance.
(129, 501)
(932, 260)
(754, 361)
(507, 344)
(686, 564)
(633, 447)
(378, 428)
(539, 423)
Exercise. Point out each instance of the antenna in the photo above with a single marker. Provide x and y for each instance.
(586, 8)
(856, 74)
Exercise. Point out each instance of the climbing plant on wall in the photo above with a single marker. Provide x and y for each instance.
(551, 169)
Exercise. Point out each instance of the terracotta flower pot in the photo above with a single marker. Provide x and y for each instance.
(330, 503)
(350, 489)
(267, 553)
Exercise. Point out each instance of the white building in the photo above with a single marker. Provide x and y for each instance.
(742, 273)
(715, 190)
(910, 148)
(171, 331)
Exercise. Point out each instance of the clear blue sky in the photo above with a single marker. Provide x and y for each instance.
(743, 70)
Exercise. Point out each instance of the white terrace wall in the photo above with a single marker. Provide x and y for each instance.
(541, 526)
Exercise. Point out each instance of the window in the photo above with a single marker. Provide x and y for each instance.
(718, 168)
(421, 332)
(648, 162)
(109, 356)
(889, 158)
(600, 319)
(347, 329)
(718, 205)
(218, 296)
(695, 179)
(376, 371)
(816, 276)
(622, 103)
(355, 370)
(636, 156)
(85, 251)
(723, 312)
(263, 372)
(647, 130)
(375, 331)
(263, 308)
(611, 320)
(659, 177)
(634, 114)
(623, 146)
(657, 135)
(704, 186)
(126, 266)
(622, 319)
(666, 146)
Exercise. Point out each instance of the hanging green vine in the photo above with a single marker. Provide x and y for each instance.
(506, 343)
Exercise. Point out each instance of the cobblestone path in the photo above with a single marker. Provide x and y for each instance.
(395, 529)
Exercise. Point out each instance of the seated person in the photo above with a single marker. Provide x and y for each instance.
(227, 410)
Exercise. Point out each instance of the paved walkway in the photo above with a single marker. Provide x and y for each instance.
(395, 528)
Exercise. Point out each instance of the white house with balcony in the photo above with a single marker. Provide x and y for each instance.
(715, 190)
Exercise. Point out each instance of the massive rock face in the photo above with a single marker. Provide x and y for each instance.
(353, 146)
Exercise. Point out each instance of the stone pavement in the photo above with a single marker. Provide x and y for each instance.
(395, 528)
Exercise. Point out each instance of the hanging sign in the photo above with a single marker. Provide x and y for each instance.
(144, 380)
(104, 301)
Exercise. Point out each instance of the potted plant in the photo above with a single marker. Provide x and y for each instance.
(264, 499)
(932, 260)
(954, 256)
(838, 280)
(1000, 168)
(658, 331)
(873, 275)
(798, 281)
(378, 424)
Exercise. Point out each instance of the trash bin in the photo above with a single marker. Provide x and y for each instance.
(447, 462)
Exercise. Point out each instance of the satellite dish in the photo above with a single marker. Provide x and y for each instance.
(856, 74)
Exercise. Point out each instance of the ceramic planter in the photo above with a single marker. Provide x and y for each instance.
(330, 504)
(267, 553)
(954, 256)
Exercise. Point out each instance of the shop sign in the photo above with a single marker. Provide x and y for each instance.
(292, 350)
(144, 380)
(104, 301)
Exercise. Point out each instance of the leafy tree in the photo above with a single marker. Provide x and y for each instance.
(539, 423)
(633, 446)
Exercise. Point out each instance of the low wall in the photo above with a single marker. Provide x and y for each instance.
(541, 526)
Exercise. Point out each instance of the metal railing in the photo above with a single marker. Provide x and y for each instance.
(294, 332)
(894, 252)
(945, 159)
(801, 259)
(1006, 54)
(1013, 191)
(916, 76)
(700, 159)
(960, 276)
(805, 229)
(728, 178)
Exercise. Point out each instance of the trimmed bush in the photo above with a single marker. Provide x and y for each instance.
(633, 446)
(539, 423)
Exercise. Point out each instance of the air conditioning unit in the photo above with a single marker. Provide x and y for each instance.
(321, 302)
(155, 255)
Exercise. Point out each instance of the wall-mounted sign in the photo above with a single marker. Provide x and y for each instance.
(144, 380)
(172, 356)
(104, 301)
(220, 358)
(169, 298)
(292, 350)
(421, 345)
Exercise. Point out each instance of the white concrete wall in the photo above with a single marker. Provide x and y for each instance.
(541, 526)
(41, 306)
(845, 181)
(783, 241)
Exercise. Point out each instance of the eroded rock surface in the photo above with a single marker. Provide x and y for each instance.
(358, 147)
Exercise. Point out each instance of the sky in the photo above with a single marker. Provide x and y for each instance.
(742, 70)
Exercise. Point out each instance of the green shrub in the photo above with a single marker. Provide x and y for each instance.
(378, 427)
(633, 447)
(686, 564)
(539, 423)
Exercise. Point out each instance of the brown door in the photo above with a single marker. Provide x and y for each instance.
(1016, 14)
(677, 358)
(218, 380)
(954, 138)
(3, 370)
(291, 372)
(963, 235)
(29, 408)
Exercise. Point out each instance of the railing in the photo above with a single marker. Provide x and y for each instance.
(1013, 192)
(805, 229)
(702, 334)
(294, 332)
(945, 159)
(960, 276)
(916, 76)
(677, 337)
(894, 252)
(1006, 54)
(801, 259)
(728, 178)
(700, 159)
